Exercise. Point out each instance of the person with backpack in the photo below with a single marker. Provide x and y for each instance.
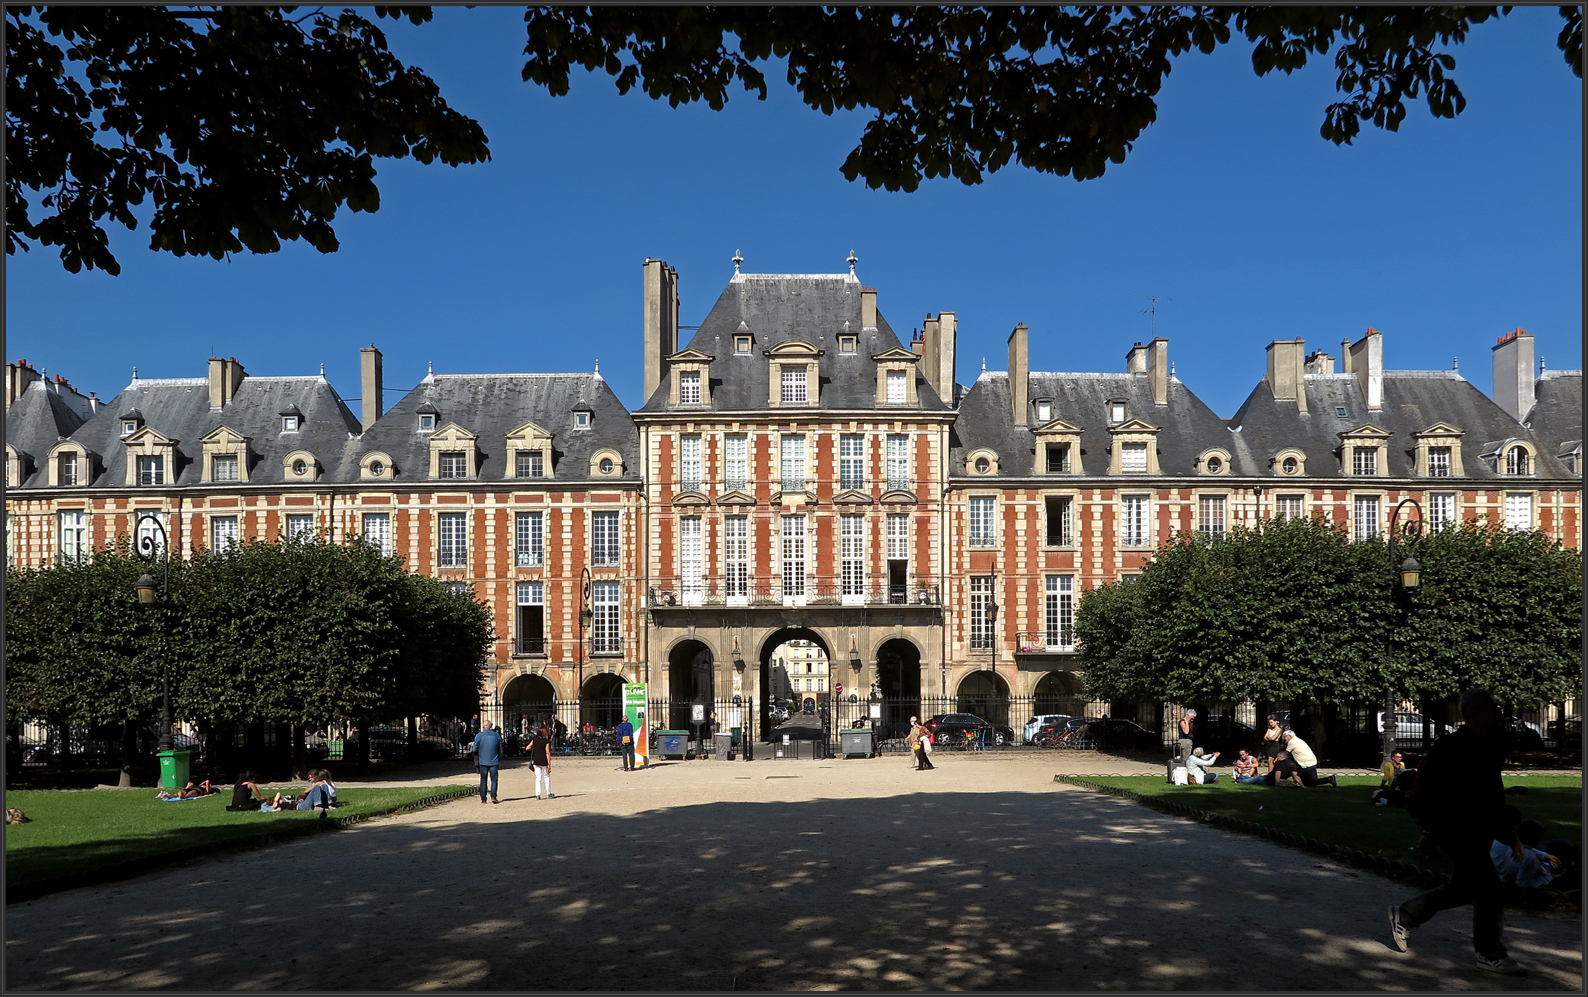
(1459, 802)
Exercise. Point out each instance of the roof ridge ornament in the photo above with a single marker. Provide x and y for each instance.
(737, 260)
(853, 259)
(598, 369)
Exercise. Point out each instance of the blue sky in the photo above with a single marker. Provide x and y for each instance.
(1443, 235)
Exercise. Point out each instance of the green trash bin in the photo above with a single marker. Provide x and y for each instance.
(738, 736)
(174, 768)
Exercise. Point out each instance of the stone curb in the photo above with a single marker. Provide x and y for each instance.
(182, 856)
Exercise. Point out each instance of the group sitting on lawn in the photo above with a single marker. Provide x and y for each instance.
(319, 794)
(1290, 760)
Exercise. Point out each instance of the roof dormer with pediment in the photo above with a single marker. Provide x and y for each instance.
(896, 368)
(689, 379)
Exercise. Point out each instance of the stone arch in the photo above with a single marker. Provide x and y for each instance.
(691, 680)
(601, 700)
(527, 699)
(777, 687)
(899, 680)
(1058, 692)
(985, 694)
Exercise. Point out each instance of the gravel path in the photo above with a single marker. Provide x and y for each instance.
(857, 874)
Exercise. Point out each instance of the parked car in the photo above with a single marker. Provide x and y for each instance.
(1115, 734)
(391, 743)
(957, 728)
(1571, 735)
(1409, 726)
(1039, 721)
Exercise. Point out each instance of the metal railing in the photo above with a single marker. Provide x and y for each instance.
(713, 594)
(529, 645)
(1043, 641)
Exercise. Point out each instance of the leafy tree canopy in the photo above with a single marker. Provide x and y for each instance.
(248, 125)
(1295, 610)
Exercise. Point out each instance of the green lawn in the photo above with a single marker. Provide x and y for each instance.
(76, 832)
(1345, 817)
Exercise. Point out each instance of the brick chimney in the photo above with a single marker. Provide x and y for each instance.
(1158, 370)
(868, 308)
(1367, 363)
(1019, 369)
(1320, 363)
(1287, 371)
(1513, 374)
(18, 376)
(370, 386)
(1136, 359)
(661, 320)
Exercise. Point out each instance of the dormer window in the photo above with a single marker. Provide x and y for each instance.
(1364, 461)
(846, 344)
(289, 424)
(897, 391)
(454, 464)
(1288, 465)
(581, 419)
(1518, 461)
(151, 470)
(427, 422)
(128, 427)
(223, 467)
(1439, 462)
(1215, 465)
(741, 345)
(131, 422)
(1058, 458)
(300, 467)
(606, 465)
(1133, 457)
(67, 469)
(689, 387)
(792, 381)
(530, 464)
(377, 467)
(1116, 413)
(1044, 411)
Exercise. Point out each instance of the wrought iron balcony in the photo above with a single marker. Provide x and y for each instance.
(713, 594)
(1060, 641)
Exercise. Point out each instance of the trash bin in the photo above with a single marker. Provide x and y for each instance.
(738, 736)
(674, 743)
(174, 768)
(723, 744)
(856, 741)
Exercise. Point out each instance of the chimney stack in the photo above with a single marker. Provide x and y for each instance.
(1136, 360)
(1158, 370)
(1366, 361)
(18, 376)
(661, 320)
(217, 380)
(947, 329)
(1320, 363)
(1287, 371)
(1019, 367)
(1345, 357)
(1513, 374)
(370, 386)
(868, 308)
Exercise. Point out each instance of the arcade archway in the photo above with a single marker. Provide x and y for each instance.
(527, 700)
(691, 681)
(601, 701)
(1058, 692)
(899, 682)
(780, 688)
(986, 695)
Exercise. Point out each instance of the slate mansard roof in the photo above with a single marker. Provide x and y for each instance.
(179, 408)
(1186, 426)
(1414, 400)
(776, 308)
(1556, 419)
(36, 421)
(493, 405)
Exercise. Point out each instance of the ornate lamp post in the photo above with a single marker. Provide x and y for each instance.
(148, 549)
(585, 617)
(1408, 575)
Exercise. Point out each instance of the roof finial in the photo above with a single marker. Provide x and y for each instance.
(737, 259)
(853, 259)
(134, 373)
(598, 368)
(1171, 368)
(431, 364)
(322, 369)
(984, 365)
(1455, 363)
(1541, 365)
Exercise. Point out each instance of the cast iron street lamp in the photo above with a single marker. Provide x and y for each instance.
(585, 616)
(1408, 577)
(148, 595)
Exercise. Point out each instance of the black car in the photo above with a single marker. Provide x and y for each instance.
(1116, 734)
(953, 729)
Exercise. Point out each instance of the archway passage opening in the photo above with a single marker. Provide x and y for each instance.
(691, 683)
(898, 685)
(527, 700)
(985, 695)
(601, 702)
(796, 675)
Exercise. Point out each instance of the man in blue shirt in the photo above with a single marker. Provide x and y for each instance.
(488, 756)
(625, 734)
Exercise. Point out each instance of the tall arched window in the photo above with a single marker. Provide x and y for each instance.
(1516, 461)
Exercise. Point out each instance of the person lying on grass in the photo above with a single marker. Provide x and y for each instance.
(247, 796)
(192, 791)
(1535, 868)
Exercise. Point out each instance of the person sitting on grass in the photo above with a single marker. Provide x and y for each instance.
(247, 796)
(1405, 781)
(315, 796)
(1306, 762)
(330, 786)
(1391, 770)
(1196, 767)
(1245, 767)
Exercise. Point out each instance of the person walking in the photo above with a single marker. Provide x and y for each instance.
(488, 758)
(540, 758)
(918, 745)
(1459, 802)
(625, 735)
(1187, 729)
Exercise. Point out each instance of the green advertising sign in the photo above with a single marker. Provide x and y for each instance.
(635, 700)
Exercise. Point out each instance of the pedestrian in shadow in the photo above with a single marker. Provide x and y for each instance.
(488, 758)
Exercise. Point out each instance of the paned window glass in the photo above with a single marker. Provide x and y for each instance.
(452, 531)
(689, 463)
(852, 461)
(223, 532)
(737, 469)
(1366, 525)
(792, 385)
(377, 530)
(793, 457)
(529, 539)
(981, 521)
(1210, 514)
(606, 636)
(793, 556)
(899, 463)
(1133, 521)
(852, 554)
(604, 538)
(1058, 612)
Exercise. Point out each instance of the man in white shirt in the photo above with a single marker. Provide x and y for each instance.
(1306, 760)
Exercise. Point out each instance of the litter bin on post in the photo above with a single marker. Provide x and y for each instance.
(674, 743)
(855, 741)
(174, 768)
(723, 745)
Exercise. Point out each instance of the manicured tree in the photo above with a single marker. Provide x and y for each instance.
(446, 636)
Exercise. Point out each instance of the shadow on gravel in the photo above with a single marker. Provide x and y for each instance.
(1019, 891)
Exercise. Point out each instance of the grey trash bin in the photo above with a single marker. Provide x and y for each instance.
(723, 744)
(856, 741)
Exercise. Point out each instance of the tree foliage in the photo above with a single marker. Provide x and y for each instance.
(244, 125)
(250, 125)
(303, 631)
(1295, 610)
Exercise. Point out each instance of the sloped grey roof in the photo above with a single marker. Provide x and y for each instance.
(1414, 400)
(776, 308)
(492, 405)
(1186, 425)
(35, 422)
(1557, 412)
(179, 407)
